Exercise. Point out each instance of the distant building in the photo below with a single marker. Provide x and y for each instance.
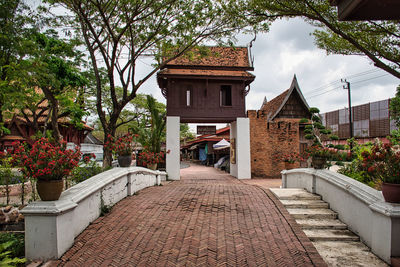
(370, 120)
(22, 127)
(275, 130)
(202, 146)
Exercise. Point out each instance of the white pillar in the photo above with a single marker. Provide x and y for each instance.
(240, 131)
(173, 145)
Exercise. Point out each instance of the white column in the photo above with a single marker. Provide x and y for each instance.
(173, 145)
(240, 130)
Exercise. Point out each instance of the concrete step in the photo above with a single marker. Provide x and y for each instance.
(330, 235)
(293, 194)
(347, 253)
(321, 224)
(313, 213)
(305, 204)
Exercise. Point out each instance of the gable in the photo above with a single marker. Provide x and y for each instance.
(289, 104)
(293, 108)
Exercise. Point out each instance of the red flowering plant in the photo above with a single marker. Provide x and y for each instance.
(45, 160)
(320, 151)
(382, 162)
(121, 146)
(289, 157)
(148, 158)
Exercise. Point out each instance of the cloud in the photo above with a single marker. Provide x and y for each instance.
(289, 49)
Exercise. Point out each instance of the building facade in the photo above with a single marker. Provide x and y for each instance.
(370, 121)
(275, 131)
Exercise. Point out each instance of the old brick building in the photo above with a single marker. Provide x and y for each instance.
(275, 130)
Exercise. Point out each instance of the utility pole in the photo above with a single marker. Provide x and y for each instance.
(347, 87)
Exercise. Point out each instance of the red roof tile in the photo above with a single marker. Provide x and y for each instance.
(197, 72)
(271, 107)
(217, 56)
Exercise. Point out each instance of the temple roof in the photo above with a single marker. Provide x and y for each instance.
(237, 57)
(202, 72)
(273, 107)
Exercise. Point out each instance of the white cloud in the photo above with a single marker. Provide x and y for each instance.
(289, 49)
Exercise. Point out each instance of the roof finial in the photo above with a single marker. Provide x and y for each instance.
(265, 100)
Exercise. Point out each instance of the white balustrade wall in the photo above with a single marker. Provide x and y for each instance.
(361, 207)
(51, 226)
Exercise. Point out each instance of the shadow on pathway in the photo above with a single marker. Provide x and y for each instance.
(208, 218)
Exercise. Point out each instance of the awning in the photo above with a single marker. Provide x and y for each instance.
(193, 147)
(221, 145)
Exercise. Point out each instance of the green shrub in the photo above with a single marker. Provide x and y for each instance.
(80, 174)
(353, 171)
(339, 147)
(5, 256)
(18, 244)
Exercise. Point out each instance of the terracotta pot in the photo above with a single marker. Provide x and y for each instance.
(391, 192)
(318, 162)
(152, 166)
(49, 190)
(125, 161)
(289, 166)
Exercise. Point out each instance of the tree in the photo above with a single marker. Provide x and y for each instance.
(151, 129)
(378, 40)
(35, 67)
(57, 74)
(17, 22)
(118, 32)
(395, 108)
(186, 134)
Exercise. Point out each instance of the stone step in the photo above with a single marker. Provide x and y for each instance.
(331, 235)
(347, 254)
(312, 213)
(321, 224)
(293, 194)
(305, 204)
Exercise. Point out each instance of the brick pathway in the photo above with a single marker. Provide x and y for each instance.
(206, 219)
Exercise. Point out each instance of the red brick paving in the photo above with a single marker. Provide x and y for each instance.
(206, 219)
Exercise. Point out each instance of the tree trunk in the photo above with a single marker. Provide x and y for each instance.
(53, 114)
(107, 153)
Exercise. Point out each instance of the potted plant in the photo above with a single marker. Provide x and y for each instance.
(382, 162)
(122, 147)
(151, 159)
(317, 133)
(289, 159)
(319, 155)
(48, 163)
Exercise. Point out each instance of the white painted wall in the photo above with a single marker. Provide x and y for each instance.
(361, 207)
(51, 226)
(91, 148)
(240, 130)
(173, 146)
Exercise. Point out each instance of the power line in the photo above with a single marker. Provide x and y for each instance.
(324, 92)
(361, 73)
(360, 81)
(367, 72)
(370, 78)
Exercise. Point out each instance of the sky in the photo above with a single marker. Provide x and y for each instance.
(288, 49)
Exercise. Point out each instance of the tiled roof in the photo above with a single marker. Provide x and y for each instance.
(197, 72)
(218, 136)
(12, 138)
(217, 56)
(270, 108)
(43, 118)
(273, 107)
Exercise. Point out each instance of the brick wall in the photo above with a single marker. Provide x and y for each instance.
(268, 139)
